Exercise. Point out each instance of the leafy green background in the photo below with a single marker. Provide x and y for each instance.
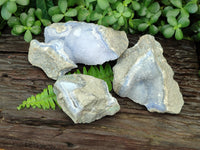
(170, 18)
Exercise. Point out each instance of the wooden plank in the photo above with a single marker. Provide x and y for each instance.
(131, 128)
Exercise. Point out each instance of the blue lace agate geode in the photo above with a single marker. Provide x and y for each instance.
(143, 75)
(88, 43)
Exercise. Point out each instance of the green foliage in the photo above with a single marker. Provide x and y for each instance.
(104, 73)
(44, 5)
(61, 11)
(131, 15)
(44, 100)
(26, 24)
(171, 18)
(8, 7)
(47, 99)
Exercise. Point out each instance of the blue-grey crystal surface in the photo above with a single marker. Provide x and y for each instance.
(143, 75)
(145, 82)
(88, 43)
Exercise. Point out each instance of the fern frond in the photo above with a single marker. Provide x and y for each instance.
(47, 99)
(104, 73)
(44, 100)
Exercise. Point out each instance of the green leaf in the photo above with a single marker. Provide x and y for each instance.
(149, 14)
(172, 20)
(136, 6)
(12, 21)
(45, 22)
(13, 33)
(109, 85)
(36, 30)
(126, 2)
(120, 7)
(28, 36)
(23, 2)
(127, 14)
(191, 7)
(147, 2)
(2, 2)
(71, 12)
(90, 1)
(184, 21)
(142, 27)
(37, 23)
(101, 70)
(31, 12)
(121, 21)
(108, 70)
(113, 1)
(62, 4)
(166, 9)
(5, 13)
(23, 18)
(142, 11)
(52, 104)
(38, 13)
(44, 5)
(57, 17)
(176, 3)
(184, 13)
(92, 72)
(173, 12)
(155, 17)
(82, 14)
(18, 29)
(179, 34)
(11, 6)
(135, 23)
(68, 19)
(153, 30)
(154, 8)
(54, 10)
(30, 21)
(95, 16)
(117, 15)
(116, 26)
(168, 32)
(109, 20)
(85, 70)
(103, 4)
(165, 2)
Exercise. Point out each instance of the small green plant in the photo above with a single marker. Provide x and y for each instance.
(47, 99)
(175, 26)
(39, 15)
(10, 6)
(44, 100)
(27, 23)
(171, 18)
(61, 11)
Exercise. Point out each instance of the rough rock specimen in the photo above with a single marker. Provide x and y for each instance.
(84, 98)
(50, 57)
(88, 43)
(143, 75)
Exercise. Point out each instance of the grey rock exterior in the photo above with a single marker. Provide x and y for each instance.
(88, 43)
(143, 75)
(84, 98)
(50, 58)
